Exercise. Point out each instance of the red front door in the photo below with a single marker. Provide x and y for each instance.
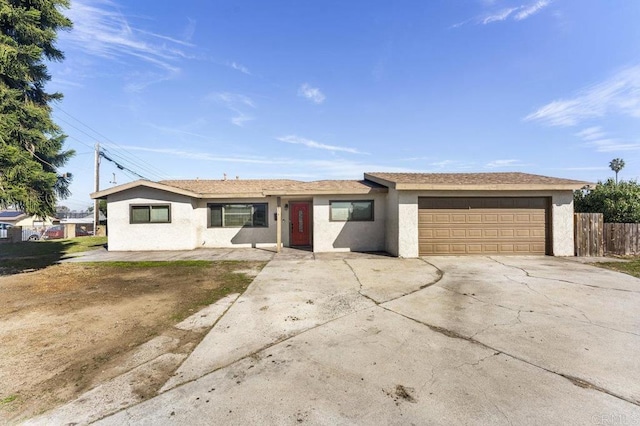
(300, 224)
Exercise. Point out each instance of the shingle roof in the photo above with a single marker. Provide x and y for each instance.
(239, 186)
(373, 183)
(263, 187)
(509, 180)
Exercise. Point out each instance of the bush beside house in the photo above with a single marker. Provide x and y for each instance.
(618, 202)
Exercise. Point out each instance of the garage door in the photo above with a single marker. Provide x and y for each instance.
(482, 225)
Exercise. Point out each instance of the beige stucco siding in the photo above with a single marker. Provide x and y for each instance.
(235, 237)
(180, 234)
(391, 223)
(562, 223)
(348, 236)
(561, 217)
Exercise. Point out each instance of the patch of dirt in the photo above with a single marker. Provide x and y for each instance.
(66, 328)
(400, 394)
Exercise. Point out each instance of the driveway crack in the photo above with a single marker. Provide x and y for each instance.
(359, 283)
(549, 298)
(439, 276)
(528, 274)
(574, 380)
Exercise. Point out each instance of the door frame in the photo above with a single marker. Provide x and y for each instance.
(309, 203)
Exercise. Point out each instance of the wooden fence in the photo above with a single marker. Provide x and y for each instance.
(588, 234)
(594, 238)
(622, 238)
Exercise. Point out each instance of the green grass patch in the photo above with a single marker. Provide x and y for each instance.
(9, 399)
(29, 255)
(230, 281)
(632, 267)
(80, 244)
(51, 247)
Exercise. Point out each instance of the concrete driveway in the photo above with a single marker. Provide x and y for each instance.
(446, 340)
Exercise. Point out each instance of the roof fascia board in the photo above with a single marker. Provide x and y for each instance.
(145, 183)
(380, 181)
(490, 187)
(327, 192)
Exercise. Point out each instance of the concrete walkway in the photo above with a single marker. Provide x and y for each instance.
(102, 255)
(368, 339)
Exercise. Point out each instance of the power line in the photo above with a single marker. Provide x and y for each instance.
(120, 166)
(160, 172)
(136, 164)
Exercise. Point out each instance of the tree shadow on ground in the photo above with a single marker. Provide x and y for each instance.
(16, 258)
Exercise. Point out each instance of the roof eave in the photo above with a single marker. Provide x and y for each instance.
(101, 195)
(380, 181)
(491, 187)
(363, 191)
(231, 195)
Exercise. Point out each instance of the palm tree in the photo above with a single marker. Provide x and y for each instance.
(616, 165)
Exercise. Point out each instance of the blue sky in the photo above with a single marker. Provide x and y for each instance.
(331, 89)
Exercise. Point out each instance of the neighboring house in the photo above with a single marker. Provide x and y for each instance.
(18, 218)
(404, 214)
(82, 220)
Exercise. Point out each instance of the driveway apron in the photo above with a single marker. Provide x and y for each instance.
(378, 340)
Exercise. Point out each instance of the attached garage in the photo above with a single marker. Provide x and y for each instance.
(483, 225)
(478, 213)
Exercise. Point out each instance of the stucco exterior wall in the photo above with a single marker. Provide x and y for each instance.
(348, 236)
(391, 223)
(562, 223)
(234, 237)
(180, 234)
(561, 217)
(407, 224)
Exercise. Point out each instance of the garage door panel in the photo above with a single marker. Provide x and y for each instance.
(458, 218)
(474, 218)
(459, 233)
(474, 249)
(482, 225)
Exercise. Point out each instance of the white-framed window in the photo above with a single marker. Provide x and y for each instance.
(252, 215)
(150, 213)
(351, 211)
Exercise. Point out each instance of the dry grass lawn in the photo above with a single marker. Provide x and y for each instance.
(64, 327)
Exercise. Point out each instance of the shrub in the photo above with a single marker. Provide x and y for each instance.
(619, 203)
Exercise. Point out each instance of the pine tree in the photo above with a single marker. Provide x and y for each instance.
(31, 144)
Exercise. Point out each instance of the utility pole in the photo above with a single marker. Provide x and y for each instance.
(96, 202)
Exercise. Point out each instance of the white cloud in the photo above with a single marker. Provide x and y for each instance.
(337, 168)
(233, 99)
(516, 13)
(611, 145)
(235, 102)
(499, 16)
(189, 30)
(316, 145)
(619, 94)
(207, 156)
(240, 118)
(239, 67)
(100, 29)
(312, 93)
(496, 164)
(591, 133)
(527, 11)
